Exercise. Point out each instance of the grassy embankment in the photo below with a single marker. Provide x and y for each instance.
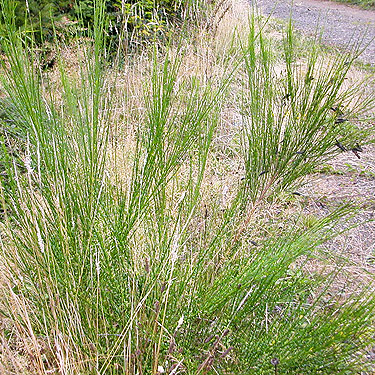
(138, 228)
(367, 4)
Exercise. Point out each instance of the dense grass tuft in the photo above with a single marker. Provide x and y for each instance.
(115, 271)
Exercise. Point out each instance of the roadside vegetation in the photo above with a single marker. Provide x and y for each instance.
(367, 4)
(150, 219)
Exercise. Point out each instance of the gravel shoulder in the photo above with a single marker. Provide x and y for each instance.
(341, 25)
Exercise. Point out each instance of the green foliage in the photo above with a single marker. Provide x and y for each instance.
(296, 119)
(37, 19)
(34, 18)
(118, 278)
(85, 9)
(367, 4)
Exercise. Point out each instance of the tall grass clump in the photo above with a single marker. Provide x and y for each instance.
(113, 275)
(296, 114)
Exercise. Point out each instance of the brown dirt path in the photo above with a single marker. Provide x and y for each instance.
(341, 25)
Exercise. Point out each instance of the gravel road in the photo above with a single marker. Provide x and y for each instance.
(341, 25)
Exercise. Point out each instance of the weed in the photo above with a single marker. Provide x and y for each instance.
(127, 275)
